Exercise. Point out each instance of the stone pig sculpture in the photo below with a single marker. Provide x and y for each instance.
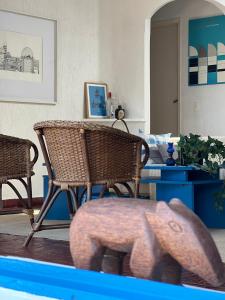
(161, 237)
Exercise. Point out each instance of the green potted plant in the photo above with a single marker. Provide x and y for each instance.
(205, 154)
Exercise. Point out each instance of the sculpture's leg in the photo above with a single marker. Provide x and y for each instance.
(86, 253)
(142, 261)
(171, 270)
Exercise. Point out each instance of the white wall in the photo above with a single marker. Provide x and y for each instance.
(202, 107)
(77, 62)
(122, 26)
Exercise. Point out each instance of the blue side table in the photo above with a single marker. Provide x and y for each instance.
(195, 188)
(59, 210)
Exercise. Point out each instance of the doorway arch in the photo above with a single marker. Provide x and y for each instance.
(220, 4)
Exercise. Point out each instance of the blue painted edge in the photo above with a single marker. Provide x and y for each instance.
(67, 282)
(164, 167)
(149, 179)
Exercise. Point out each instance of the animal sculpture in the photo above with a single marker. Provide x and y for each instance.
(162, 238)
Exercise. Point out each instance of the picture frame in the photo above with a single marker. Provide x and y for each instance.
(206, 57)
(28, 59)
(96, 97)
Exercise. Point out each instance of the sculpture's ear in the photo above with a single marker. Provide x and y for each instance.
(179, 207)
(162, 209)
(166, 210)
(177, 202)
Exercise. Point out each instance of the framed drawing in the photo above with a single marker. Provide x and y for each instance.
(96, 96)
(27, 58)
(207, 51)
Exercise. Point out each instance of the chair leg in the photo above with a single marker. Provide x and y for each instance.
(46, 202)
(44, 210)
(81, 197)
(137, 189)
(1, 201)
(89, 192)
(26, 204)
(129, 189)
(29, 201)
(70, 204)
(117, 190)
(104, 189)
(75, 199)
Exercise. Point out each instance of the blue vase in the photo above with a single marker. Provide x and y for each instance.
(170, 161)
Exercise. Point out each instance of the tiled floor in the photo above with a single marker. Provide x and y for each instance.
(39, 248)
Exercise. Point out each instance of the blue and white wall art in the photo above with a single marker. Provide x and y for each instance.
(207, 51)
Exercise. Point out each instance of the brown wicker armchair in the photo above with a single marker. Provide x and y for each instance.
(83, 154)
(16, 163)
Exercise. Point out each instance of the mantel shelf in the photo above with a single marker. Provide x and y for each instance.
(111, 120)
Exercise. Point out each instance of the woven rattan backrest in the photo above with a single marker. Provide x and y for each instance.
(84, 152)
(66, 153)
(14, 157)
(111, 156)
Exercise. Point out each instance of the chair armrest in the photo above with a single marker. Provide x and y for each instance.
(35, 158)
(146, 153)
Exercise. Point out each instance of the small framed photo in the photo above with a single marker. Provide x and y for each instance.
(96, 97)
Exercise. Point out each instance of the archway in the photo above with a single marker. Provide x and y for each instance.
(218, 4)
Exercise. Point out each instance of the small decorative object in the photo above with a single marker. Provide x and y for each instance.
(120, 114)
(27, 58)
(161, 238)
(170, 161)
(109, 105)
(113, 105)
(96, 97)
(206, 55)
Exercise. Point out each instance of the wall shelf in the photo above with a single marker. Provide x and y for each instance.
(105, 120)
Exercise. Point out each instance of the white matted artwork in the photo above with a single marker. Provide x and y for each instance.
(27, 58)
(20, 56)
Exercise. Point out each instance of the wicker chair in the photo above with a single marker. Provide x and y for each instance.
(83, 154)
(16, 163)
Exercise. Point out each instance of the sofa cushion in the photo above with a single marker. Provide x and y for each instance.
(157, 139)
(155, 156)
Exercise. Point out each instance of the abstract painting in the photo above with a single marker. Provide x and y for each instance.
(207, 51)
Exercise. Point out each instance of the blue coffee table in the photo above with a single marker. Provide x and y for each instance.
(194, 187)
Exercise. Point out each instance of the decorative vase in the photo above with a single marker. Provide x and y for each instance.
(170, 160)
